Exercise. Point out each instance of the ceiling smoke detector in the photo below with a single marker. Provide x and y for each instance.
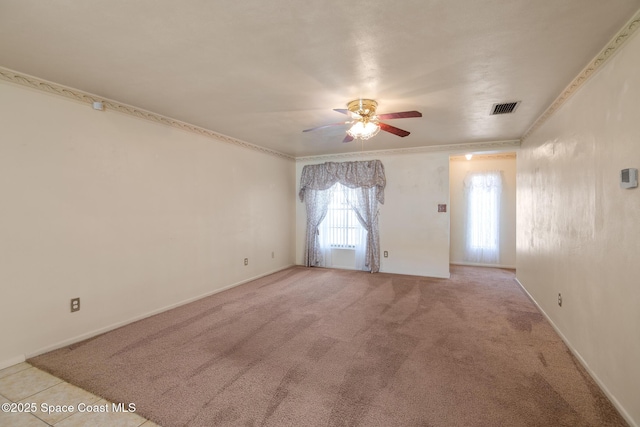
(505, 108)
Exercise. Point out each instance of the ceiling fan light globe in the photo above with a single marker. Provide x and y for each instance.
(363, 131)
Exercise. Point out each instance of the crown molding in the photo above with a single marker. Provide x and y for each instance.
(497, 156)
(109, 104)
(451, 148)
(605, 54)
(89, 98)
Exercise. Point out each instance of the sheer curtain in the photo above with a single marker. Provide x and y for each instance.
(483, 191)
(316, 202)
(365, 206)
(368, 178)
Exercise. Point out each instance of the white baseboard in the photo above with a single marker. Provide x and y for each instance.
(475, 264)
(116, 325)
(411, 273)
(12, 361)
(577, 355)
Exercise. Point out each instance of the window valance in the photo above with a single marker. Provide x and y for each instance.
(360, 174)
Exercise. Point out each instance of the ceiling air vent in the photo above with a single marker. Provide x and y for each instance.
(506, 108)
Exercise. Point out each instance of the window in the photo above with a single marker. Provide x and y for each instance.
(341, 224)
(353, 220)
(483, 191)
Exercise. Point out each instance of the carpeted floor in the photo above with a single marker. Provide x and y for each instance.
(321, 347)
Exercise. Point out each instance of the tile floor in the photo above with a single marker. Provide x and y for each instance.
(23, 386)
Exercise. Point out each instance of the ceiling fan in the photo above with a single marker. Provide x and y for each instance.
(365, 123)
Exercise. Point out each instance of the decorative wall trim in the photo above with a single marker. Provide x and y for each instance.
(452, 148)
(612, 47)
(497, 156)
(109, 104)
(605, 54)
(88, 98)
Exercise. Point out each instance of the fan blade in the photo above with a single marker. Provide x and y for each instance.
(326, 126)
(401, 115)
(341, 110)
(394, 130)
(347, 138)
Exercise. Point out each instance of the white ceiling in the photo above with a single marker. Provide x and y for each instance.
(262, 71)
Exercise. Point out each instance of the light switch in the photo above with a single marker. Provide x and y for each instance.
(442, 208)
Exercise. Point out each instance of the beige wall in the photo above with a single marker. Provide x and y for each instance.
(458, 171)
(411, 229)
(579, 232)
(129, 215)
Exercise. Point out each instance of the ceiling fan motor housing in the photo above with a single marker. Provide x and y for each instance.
(365, 108)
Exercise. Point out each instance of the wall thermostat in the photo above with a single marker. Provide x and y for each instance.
(629, 178)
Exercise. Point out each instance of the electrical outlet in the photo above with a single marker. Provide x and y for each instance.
(246, 261)
(386, 254)
(75, 304)
(560, 300)
(442, 208)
